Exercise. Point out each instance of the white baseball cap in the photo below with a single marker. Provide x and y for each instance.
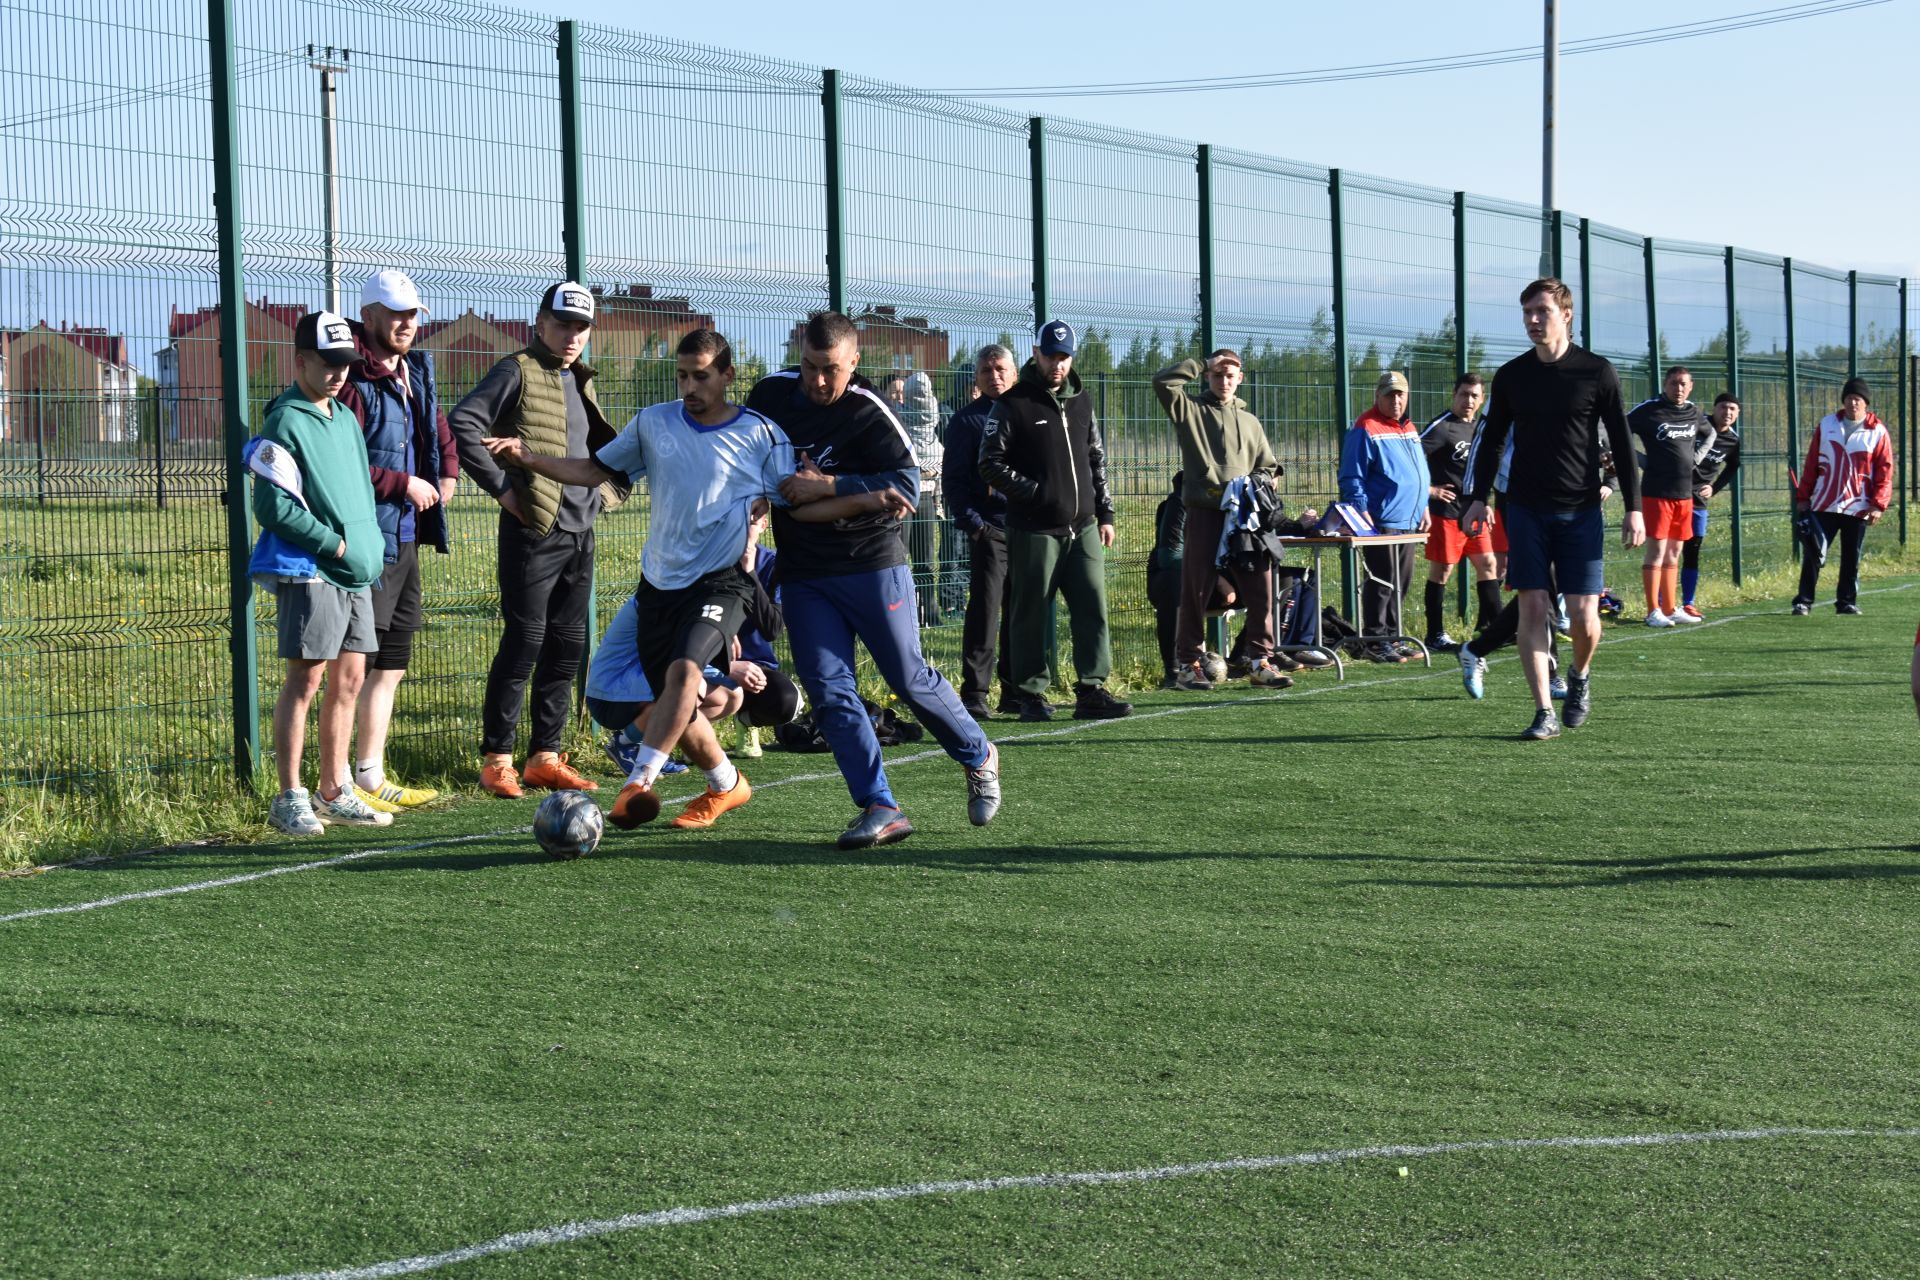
(393, 290)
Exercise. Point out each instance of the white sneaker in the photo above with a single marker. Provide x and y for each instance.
(1655, 618)
(349, 810)
(292, 812)
(1687, 614)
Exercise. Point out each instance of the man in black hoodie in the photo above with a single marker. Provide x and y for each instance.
(1042, 449)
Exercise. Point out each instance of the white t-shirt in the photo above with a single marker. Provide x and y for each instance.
(703, 481)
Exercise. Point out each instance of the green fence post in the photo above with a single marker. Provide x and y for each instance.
(836, 192)
(1733, 388)
(1906, 452)
(1853, 324)
(573, 241)
(1342, 373)
(1793, 401)
(1042, 306)
(1203, 164)
(1586, 283)
(1460, 347)
(1653, 321)
(233, 389)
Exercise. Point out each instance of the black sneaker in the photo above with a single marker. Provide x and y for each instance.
(1442, 643)
(1238, 668)
(877, 826)
(1092, 702)
(1035, 709)
(1314, 658)
(1010, 704)
(1545, 725)
(1283, 661)
(976, 708)
(1851, 610)
(1800, 610)
(1579, 704)
(1383, 652)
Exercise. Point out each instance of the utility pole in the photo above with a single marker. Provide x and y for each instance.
(330, 62)
(1550, 62)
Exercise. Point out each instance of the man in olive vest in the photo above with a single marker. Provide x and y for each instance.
(544, 396)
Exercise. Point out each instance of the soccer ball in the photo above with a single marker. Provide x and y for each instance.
(1215, 667)
(568, 825)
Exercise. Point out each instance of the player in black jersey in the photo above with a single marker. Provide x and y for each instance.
(1448, 442)
(1713, 473)
(1673, 436)
(1554, 401)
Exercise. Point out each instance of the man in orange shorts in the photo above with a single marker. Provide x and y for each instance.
(1675, 436)
(1448, 441)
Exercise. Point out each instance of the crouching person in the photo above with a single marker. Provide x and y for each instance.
(319, 552)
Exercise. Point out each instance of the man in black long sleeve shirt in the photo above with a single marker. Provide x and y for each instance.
(1554, 401)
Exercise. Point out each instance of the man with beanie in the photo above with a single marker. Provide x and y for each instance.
(1713, 473)
(1846, 482)
(1447, 442)
(1220, 442)
(1043, 449)
(542, 395)
(1383, 472)
(414, 466)
(318, 552)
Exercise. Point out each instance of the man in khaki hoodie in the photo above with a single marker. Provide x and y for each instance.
(1220, 442)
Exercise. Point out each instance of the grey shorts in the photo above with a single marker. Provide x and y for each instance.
(319, 621)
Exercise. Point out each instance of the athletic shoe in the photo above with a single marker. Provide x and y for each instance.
(1579, 701)
(1849, 610)
(1281, 661)
(983, 789)
(373, 801)
(1655, 618)
(710, 804)
(1556, 688)
(673, 766)
(634, 805)
(405, 797)
(1313, 658)
(1011, 704)
(349, 810)
(1545, 725)
(1383, 653)
(557, 775)
(1801, 610)
(1442, 643)
(1093, 702)
(1238, 668)
(625, 755)
(292, 813)
(978, 710)
(749, 743)
(1473, 673)
(1267, 676)
(1688, 614)
(1408, 651)
(1562, 623)
(1035, 709)
(1171, 682)
(879, 825)
(500, 780)
(1193, 678)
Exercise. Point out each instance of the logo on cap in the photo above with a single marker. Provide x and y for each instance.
(1056, 338)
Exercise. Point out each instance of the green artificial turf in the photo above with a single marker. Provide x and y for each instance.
(1333, 918)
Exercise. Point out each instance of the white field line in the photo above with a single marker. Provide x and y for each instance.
(521, 1241)
(1077, 726)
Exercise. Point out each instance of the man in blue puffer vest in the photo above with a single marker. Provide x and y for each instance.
(413, 464)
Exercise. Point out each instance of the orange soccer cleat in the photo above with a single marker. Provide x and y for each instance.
(555, 774)
(500, 780)
(710, 804)
(636, 804)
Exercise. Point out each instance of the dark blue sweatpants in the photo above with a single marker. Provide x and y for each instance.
(824, 617)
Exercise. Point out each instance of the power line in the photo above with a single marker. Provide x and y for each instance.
(1422, 66)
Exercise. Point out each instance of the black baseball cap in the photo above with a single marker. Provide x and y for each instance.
(328, 336)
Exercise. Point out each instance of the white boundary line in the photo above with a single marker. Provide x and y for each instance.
(522, 1241)
(1077, 726)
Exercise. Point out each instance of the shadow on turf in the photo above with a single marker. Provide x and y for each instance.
(1650, 869)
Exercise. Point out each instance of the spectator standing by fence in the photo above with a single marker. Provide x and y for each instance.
(1846, 483)
(543, 395)
(980, 513)
(1043, 450)
(1383, 472)
(920, 416)
(1447, 442)
(1713, 473)
(414, 466)
(1674, 436)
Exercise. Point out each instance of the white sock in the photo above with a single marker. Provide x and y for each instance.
(651, 762)
(369, 774)
(723, 777)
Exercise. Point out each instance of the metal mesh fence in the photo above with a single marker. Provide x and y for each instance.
(705, 181)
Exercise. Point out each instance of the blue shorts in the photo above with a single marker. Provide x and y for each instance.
(1699, 519)
(1556, 550)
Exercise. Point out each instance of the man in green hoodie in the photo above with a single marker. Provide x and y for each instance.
(321, 550)
(1042, 449)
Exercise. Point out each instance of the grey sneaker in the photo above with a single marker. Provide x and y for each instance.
(878, 825)
(1545, 725)
(292, 813)
(349, 810)
(1473, 673)
(983, 789)
(1579, 704)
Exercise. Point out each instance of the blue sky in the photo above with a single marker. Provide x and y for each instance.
(1792, 139)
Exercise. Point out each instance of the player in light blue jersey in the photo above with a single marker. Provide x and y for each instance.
(707, 463)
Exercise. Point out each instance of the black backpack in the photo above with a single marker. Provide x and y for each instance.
(801, 733)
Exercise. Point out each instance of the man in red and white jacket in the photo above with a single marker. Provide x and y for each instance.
(1846, 483)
